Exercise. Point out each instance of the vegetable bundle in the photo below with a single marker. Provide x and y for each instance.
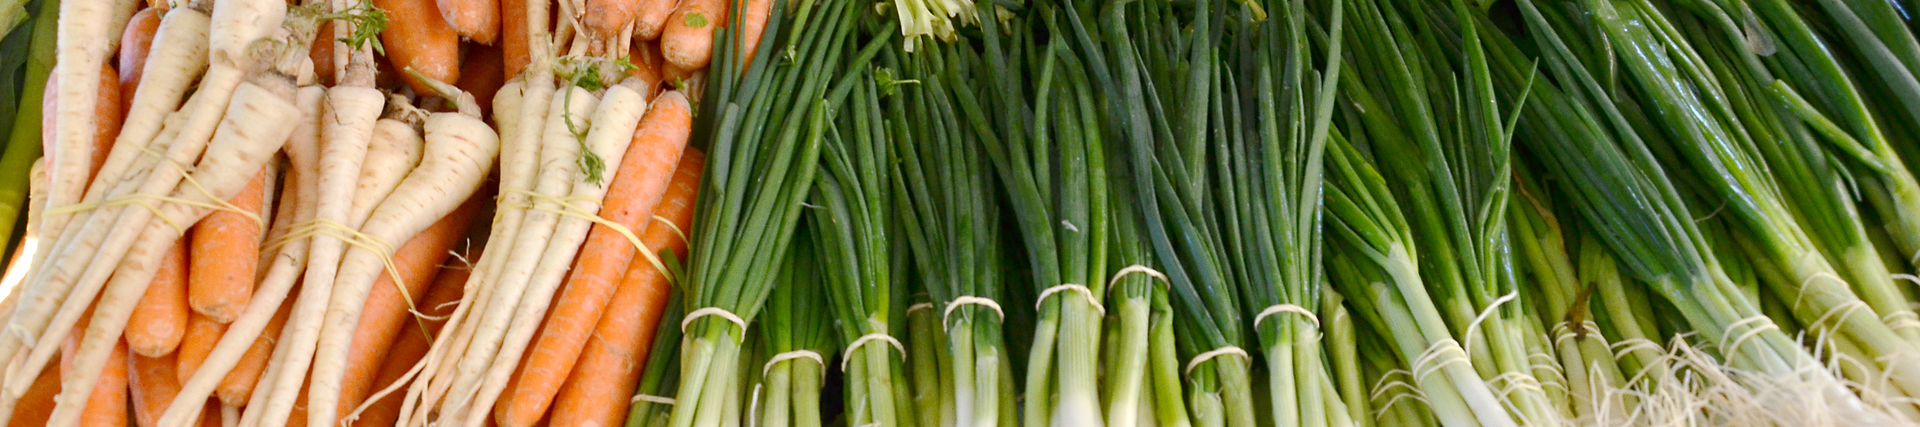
(954, 212)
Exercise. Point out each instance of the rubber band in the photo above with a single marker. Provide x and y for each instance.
(643, 397)
(1564, 330)
(1138, 269)
(1396, 400)
(717, 312)
(1439, 354)
(1204, 357)
(1286, 308)
(1070, 287)
(1623, 347)
(1386, 383)
(575, 211)
(673, 228)
(1515, 381)
(919, 306)
(868, 338)
(792, 355)
(145, 199)
(349, 236)
(1907, 277)
(970, 300)
(1901, 320)
(1803, 286)
(1733, 344)
(1485, 313)
(1842, 311)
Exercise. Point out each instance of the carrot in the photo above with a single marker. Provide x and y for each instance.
(607, 20)
(477, 20)
(224, 256)
(266, 307)
(646, 67)
(135, 44)
(513, 42)
(630, 202)
(652, 18)
(386, 315)
(202, 334)
(37, 405)
(412, 344)
(106, 403)
(753, 22)
(596, 391)
(155, 382)
(483, 75)
(322, 55)
(160, 320)
(239, 382)
(86, 39)
(686, 39)
(212, 416)
(418, 38)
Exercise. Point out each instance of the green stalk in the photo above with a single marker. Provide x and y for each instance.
(660, 377)
(23, 145)
(1583, 352)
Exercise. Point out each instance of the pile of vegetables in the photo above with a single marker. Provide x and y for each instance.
(959, 213)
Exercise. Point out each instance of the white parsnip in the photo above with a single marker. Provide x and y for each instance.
(346, 127)
(460, 153)
(559, 165)
(88, 34)
(253, 129)
(393, 153)
(285, 270)
(612, 129)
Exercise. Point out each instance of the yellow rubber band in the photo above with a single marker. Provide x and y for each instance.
(1211, 354)
(1070, 287)
(643, 397)
(1437, 356)
(576, 211)
(792, 355)
(716, 312)
(1484, 314)
(870, 338)
(970, 300)
(1138, 269)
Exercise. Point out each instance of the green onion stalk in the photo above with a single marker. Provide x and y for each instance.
(1394, 396)
(1621, 190)
(1451, 170)
(1271, 120)
(945, 196)
(931, 366)
(1343, 354)
(660, 379)
(796, 340)
(764, 130)
(1053, 169)
(852, 233)
(1704, 119)
(1140, 356)
(1164, 140)
(1623, 313)
(1565, 304)
(1884, 55)
(23, 140)
(1835, 110)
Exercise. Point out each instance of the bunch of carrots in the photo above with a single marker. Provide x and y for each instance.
(261, 213)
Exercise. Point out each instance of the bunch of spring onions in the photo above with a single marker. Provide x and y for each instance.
(795, 340)
(1270, 128)
(951, 224)
(767, 122)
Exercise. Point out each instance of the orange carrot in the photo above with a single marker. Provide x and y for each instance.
(413, 343)
(160, 320)
(155, 381)
(106, 115)
(134, 45)
(607, 19)
(37, 404)
(753, 22)
(631, 199)
(686, 40)
(237, 386)
(483, 75)
(477, 20)
(418, 37)
(107, 406)
(513, 42)
(652, 18)
(385, 315)
(646, 67)
(202, 334)
(609, 368)
(211, 416)
(225, 248)
(322, 54)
